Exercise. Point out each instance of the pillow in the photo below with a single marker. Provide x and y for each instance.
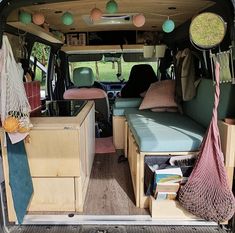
(160, 94)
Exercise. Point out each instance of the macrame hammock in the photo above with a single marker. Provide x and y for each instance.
(14, 105)
(207, 193)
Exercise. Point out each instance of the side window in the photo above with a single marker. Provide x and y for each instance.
(39, 59)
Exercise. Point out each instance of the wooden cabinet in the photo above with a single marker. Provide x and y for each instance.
(170, 209)
(60, 154)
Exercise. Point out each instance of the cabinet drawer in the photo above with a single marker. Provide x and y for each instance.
(169, 210)
(53, 153)
(53, 194)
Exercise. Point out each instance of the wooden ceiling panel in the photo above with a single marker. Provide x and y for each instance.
(155, 11)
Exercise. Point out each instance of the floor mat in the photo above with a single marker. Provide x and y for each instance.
(104, 145)
(115, 229)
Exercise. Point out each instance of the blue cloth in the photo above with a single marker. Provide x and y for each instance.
(19, 177)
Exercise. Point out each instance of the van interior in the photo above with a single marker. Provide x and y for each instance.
(120, 93)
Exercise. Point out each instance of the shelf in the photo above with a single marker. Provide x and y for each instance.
(36, 30)
(79, 49)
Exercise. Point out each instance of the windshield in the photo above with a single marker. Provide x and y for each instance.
(109, 70)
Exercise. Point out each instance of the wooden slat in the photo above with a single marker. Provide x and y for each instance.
(90, 140)
(79, 201)
(230, 172)
(227, 135)
(126, 139)
(119, 131)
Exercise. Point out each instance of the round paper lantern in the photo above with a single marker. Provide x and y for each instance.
(168, 26)
(67, 18)
(38, 18)
(139, 20)
(96, 14)
(25, 17)
(111, 7)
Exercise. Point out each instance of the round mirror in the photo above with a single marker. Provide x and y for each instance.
(207, 30)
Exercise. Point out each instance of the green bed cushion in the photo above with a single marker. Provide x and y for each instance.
(200, 108)
(130, 111)
(118, 111)
(164, 131)
(127, 102)
(121, 111)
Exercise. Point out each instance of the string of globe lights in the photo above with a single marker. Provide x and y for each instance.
(67, 18)
(96, 14)
(138, 19)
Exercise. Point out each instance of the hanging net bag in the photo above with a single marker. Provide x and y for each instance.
(14, 105)
(207, 193)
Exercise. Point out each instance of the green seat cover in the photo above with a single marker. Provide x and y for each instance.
(200, 107)
(127, 102)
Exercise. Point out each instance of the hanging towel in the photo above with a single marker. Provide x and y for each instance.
(19, 178)
(224, 60)
(185, 75)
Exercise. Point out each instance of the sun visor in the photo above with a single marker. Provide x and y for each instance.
(137, 57)
(85, 57)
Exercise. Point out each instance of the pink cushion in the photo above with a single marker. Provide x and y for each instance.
(159, 94)
(85, 93)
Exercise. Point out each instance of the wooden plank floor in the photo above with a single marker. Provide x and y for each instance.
(110, 189)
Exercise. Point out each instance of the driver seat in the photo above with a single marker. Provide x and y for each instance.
(83, 89)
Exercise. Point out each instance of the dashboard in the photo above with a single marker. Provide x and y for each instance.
(113, 89)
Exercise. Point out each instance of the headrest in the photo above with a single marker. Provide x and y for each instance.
(83, 77)
(142, 71)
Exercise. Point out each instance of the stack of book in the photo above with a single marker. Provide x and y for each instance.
(167, 183)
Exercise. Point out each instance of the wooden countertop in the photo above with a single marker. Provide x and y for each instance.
(62, 122)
